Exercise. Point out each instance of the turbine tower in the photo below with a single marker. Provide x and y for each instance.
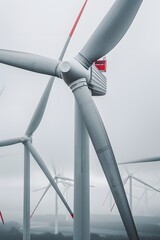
(80, 76)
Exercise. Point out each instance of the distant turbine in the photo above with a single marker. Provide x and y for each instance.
(63, 180)
(130, 178)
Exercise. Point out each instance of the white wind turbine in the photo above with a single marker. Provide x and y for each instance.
(77, 75)
(130, 179)
(58, 179)
(26, 140)
(28, 147)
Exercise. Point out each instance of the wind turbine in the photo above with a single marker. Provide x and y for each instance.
(58, 179)
(26, 140)
(130, 178)
(77, 75)
(28, 147)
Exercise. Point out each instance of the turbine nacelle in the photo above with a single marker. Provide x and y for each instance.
(71, 71)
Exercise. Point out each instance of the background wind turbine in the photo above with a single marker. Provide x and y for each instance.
(58, 179)
(77, 76)
(34, 123)
(132, 177)
(28, 148)
(147, 186)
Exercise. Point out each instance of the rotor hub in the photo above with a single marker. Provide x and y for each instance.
(71, 71)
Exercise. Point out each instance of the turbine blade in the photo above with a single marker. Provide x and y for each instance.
(65, 178)
(153, 159)
(30, 62)
(146, 184)
(2, 91)
(42, 165)
(124, 183)
(112, 207)
(11, 141)
(72, 31)
(54, 169)
(125, 180)
(105, 153)
(35, 121)
(139, 200)
(1, 216)
(46, 190)
(110, 31)
(39, 189)
(39, 112)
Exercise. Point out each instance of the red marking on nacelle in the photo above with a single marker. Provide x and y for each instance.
(72, 215)
(101, 64)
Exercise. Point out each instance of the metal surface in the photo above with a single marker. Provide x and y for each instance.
(26, 196)
(105, 153)
(81, 179)
(109, 32)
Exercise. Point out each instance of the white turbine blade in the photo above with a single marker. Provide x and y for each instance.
(125, 180)
(105, 153)
(30, 62)
(110, 31)
(2, 91)
(11, 141)
(54, 168)
(66, 184)
(39, 189)
(105, 200)
(1, 216)
(124, 183)
(72, 31)
(153, 159)
(146, 184)
(38, 114)
(42, 165)
(46, 190)
(140, 199)
(65, 178)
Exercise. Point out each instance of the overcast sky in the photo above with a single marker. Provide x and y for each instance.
(130, 109)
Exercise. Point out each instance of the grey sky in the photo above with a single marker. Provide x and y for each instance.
(129, 109)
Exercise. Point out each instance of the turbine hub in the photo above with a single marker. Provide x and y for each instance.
(25, 139)
(72, 71)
